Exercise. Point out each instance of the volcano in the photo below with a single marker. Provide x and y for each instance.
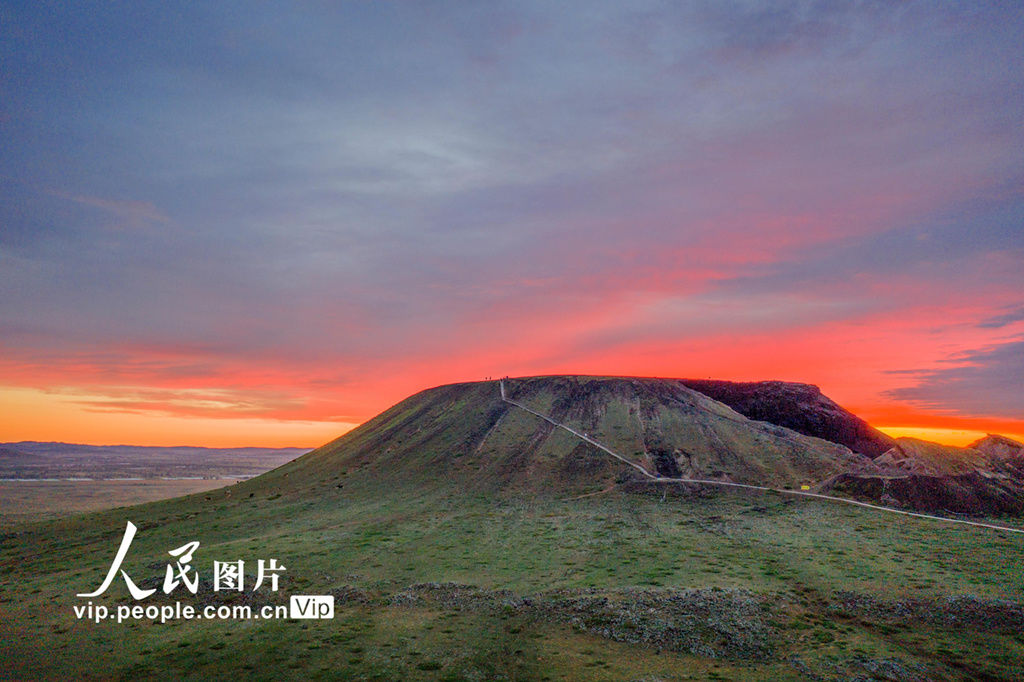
(572, 433)
(468, 433)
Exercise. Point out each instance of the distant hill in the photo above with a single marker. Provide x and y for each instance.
(999, 446)
(943, 478)
(934, 459)
(32, 459)
(801, 407)
(12, 455)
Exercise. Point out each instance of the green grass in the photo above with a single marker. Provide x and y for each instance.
(796, 554)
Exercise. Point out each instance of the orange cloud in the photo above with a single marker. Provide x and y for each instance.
(164, 395)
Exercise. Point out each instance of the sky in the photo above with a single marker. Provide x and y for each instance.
(262, 223)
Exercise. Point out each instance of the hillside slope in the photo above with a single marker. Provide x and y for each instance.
(933, 459)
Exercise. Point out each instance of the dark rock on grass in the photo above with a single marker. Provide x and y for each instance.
(717, 623)
(666, 464)
(712, 623)
(347, 594)
(709, 623)
(887, 669)
(963, 611)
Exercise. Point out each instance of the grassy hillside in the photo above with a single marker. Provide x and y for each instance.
(466, 433)
(465, 540)
(661, 423)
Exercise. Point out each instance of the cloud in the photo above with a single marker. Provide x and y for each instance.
(986, 382)
(961, 254)
(375, 188)
(133, 214)
(215, 403)
(1004, 320)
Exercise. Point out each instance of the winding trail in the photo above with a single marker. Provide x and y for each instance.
(655, 479)
(583, 436)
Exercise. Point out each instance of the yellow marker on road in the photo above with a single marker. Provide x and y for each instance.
(805, 487)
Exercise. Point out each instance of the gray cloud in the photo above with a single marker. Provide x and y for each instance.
(338, 185)
(986, 382)
(1000, 321)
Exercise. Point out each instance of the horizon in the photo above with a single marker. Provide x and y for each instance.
(242, 229)
(136, 445)
(960, 438)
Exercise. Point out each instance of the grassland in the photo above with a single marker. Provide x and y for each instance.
(22, 501)
(455, 557)
(35, 460)
(836, 590)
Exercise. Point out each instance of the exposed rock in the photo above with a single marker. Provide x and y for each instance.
(965, 611)
(800, 407)
(714, 623)
(931, 477)
(666, 463)
(1000, 447)
(933, 459)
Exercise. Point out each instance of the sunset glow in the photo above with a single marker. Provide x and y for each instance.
(265, 233)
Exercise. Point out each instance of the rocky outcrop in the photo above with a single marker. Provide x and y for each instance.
(933, 459)
(999, 447)
(800, 407)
